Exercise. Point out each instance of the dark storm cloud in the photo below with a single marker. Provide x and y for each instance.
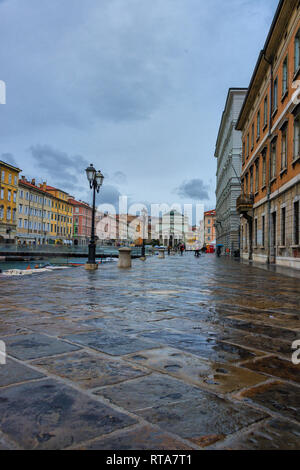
(8, 157)
(68, 173)
(59, 165)
(193, 189)
(109, 194)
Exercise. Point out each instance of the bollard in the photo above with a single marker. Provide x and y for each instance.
(91, 266)
(161, 253)
(124, 258)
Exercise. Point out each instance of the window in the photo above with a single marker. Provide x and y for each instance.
(296, 223)
(248, 137)
(297, 137)
(244, 148)
(20, 208)
(263, 230)
(15, 197)
(25, 223)
(273, 159)
(275, 95)
(2, 193)
(27, 196)
(246, 184)
(255, 232)
(284, 149)
(283, 225)
(297, 51)
(251, 180)
(257, 175)
(258, 125)
(252, 136)
(1, 212)
(3, 175)
(20, 224)
(16, 180)
(285, 76)
(9, 178)
(208, 222)
(9, 195)
(21, 194)
(8, 214)
(266, 111)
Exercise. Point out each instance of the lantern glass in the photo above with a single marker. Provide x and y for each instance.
(99, 178)
(90, 173)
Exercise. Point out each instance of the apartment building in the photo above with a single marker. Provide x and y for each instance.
(33, 214)
(270, 124)
(209, 227)
(61, 227)
(9, 176)
(82, 222)
(229, 156)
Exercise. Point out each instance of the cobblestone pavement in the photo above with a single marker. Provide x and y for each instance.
(174, 354)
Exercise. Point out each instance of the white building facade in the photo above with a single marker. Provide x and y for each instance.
(229, 155)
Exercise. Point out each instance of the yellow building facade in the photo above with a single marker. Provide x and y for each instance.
(61, 216)
(33, 213)
(9, 177)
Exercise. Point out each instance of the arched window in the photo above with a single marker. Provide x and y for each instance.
(297, 51)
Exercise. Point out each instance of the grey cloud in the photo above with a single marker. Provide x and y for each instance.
(109, 194)
(8, 157)
(59, 165)
(193, 189)
(119, 177)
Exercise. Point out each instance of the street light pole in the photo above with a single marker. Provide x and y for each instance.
(144, 215)
(95, 179)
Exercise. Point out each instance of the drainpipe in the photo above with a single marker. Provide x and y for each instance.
(269, 169)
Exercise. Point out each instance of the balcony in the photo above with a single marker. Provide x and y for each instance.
(244, 203)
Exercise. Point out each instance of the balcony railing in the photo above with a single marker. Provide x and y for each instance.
(244, 203)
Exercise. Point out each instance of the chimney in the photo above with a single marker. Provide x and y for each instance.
(23, 178)
(33, 181)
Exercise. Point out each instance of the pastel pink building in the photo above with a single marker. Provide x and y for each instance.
(82, 222)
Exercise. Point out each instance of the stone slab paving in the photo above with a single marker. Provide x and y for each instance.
(32, 346)
(161, 389)
(90, 371)
(206, 374)
(110, 343)
(172, 354)
(202, 345)
(273, 434)
(49, 415)
(278, 397)
(203, 420)
(142, 438)
(275, 367)
(14, 373)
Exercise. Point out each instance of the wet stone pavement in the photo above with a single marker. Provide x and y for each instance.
(174, 354)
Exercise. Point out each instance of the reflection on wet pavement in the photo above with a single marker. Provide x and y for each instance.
(173, 354)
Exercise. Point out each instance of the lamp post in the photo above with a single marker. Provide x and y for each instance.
(95, 178)
(144, 234)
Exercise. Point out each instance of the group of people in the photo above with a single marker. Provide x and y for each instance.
(180, 248)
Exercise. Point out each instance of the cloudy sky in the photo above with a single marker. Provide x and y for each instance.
(135, 86)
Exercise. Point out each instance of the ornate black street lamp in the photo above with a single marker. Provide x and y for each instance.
(95, 179)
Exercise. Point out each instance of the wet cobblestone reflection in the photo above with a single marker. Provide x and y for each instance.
(181, 353)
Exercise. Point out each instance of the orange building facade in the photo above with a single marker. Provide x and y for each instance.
(209, 227)
(270, 125)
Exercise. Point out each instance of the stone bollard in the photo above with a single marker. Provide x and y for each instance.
(161, 253)
(124, 258)
(91, 266)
